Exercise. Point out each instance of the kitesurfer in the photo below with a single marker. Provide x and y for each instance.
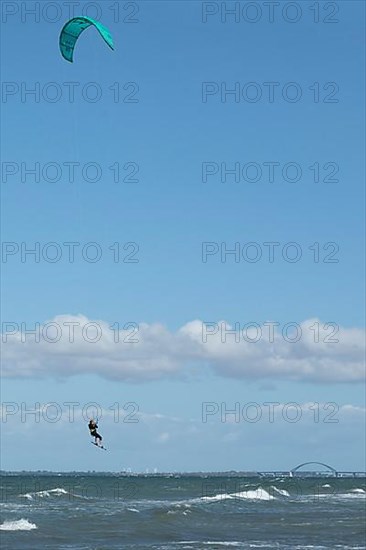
(93, 431)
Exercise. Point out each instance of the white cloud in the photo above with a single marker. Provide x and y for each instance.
(73, 345)
(163, 437)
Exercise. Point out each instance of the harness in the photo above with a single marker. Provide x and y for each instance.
(93, 428)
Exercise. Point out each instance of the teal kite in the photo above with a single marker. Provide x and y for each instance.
(73, 29)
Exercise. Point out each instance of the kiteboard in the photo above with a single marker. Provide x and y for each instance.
(99, 446)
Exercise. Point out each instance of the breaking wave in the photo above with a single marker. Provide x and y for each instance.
(18, 525)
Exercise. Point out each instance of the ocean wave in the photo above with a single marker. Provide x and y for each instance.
(184, 506)
(18, 525)
(47, 493)
(215, 543)
(352, 493)
(282, 492)
(255, 494)
(259, 544)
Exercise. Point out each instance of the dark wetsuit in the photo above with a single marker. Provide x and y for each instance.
(93, 430)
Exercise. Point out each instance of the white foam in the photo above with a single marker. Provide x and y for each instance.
(282, 492)
(354, 493)
(19, 525)
(257, 494)
(213, 543)
(49, 492)
(215, 498)
(221, 543)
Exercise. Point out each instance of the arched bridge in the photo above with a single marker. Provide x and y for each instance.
(317, 463)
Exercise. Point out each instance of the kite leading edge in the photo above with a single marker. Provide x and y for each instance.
(73, 29)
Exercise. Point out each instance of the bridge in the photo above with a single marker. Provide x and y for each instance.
(329, 468)
(329, 471)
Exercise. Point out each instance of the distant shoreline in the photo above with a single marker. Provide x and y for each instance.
(230, 473)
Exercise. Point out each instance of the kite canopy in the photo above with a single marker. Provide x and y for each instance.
(73, 29)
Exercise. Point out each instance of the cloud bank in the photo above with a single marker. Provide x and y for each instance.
(68, 345)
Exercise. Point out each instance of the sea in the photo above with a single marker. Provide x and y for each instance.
(107, 511)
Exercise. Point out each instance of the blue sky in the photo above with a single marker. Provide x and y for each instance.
(165, 136)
